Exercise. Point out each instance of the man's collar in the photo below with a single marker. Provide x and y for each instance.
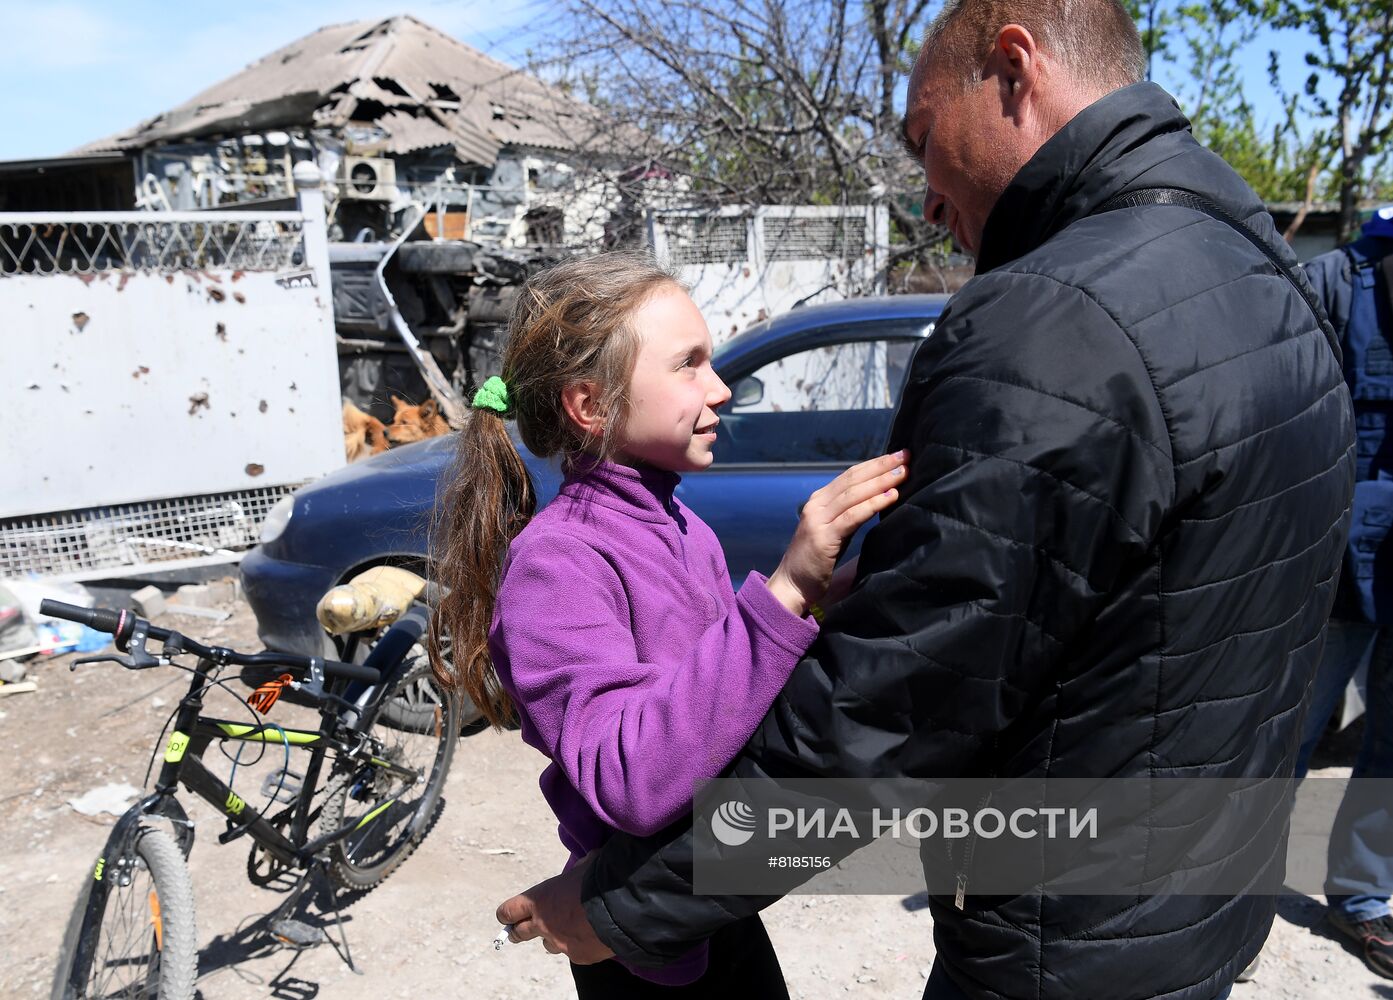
(1098, 154)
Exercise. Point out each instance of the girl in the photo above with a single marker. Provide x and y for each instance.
(611, 630)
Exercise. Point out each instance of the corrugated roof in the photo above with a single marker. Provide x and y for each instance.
(322, 79)
(409, 133)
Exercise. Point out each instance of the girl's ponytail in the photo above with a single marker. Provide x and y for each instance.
(488, 499)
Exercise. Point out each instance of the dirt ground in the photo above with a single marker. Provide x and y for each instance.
(426, 931)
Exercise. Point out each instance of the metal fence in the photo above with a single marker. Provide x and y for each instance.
(139, 241)
(88, 544)
(763, 235)
(207, 337)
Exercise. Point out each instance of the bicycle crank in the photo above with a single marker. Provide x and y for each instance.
(264, 869)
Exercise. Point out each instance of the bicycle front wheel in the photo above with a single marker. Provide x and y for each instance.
(394, 805)
(132, 935)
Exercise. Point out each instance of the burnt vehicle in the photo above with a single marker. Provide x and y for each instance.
(404, 308)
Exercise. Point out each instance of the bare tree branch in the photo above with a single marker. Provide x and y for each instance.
(749, 102)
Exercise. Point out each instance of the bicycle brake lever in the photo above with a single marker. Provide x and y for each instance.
(139, 659)
(124, 661)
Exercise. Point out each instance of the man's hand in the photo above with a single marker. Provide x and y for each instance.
(552, 911)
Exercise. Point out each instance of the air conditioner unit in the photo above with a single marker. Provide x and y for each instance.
(368, 178)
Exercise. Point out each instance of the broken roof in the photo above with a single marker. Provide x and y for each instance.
(420, 86)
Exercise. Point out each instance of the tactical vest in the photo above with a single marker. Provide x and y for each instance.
(1368, 361)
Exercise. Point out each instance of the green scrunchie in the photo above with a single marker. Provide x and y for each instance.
(492, 395)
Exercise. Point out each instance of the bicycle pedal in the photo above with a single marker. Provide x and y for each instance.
(282, 786)
(297, 933)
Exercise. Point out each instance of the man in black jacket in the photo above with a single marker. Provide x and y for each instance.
(1131, 472)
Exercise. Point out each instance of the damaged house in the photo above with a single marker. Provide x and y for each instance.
(447, 178)
(490, 171)
(393, 112)
(482, 171)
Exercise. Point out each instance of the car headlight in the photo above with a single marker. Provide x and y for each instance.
(274, 525)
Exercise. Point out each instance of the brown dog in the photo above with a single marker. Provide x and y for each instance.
(415, 423)
(363, 434)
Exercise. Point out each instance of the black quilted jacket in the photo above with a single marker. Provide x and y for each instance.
(1129, 491)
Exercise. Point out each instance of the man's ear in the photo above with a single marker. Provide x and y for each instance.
(1015, 60)
(581, 403)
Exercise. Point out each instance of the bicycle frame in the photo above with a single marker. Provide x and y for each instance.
(194, 733)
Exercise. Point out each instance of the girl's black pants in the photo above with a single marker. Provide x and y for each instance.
(742, 964)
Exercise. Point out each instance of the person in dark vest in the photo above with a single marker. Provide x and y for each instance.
(1355, 284)
(1117, 546)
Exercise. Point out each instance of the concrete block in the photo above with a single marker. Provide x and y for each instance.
(12, 671)
(222, 591)
(149, 601)
(194, 595)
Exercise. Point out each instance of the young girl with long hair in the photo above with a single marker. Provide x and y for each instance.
(606, 624)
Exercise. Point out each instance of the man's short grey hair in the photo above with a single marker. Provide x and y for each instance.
(1097, 40)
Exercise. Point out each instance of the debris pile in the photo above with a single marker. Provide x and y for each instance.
(25, 634)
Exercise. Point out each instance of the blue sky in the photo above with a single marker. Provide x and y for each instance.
(1291, 47)
(79, 70)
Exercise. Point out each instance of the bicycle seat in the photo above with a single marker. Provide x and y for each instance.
(372, 599)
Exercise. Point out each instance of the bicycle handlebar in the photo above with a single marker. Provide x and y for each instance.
(101, 619)
(107, 620)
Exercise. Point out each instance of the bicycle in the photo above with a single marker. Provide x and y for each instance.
(132, 932)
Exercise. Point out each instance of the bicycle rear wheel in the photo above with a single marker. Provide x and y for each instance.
(393, 812)
(414, 708)
(142, 944)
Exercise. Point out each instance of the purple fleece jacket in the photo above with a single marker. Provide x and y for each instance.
(633, 664)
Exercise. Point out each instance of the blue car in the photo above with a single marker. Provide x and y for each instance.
(812, 392)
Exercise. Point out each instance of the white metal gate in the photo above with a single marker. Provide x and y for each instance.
(169, 377)
(747, 264)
